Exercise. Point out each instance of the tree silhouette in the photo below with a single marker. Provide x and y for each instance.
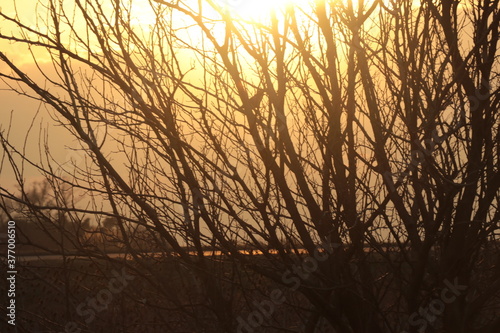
(353, 147)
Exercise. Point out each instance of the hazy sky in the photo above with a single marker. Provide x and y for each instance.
(24, 113)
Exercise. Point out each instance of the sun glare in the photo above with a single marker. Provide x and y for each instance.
(254, 10)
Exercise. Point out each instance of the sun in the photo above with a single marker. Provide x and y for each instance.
(253, 10)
